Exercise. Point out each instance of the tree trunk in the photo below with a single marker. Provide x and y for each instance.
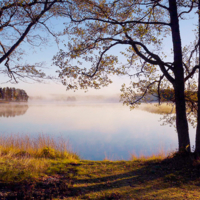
(181, 119)
(179, 85)
(197, 150)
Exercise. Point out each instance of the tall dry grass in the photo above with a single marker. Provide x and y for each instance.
(160, 155)
(164, 108)
(43, 146)
(26, 158)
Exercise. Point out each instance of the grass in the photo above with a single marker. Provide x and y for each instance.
(154, 157)
(174, 177)
(164, 108)
(15, 146)
(44, 169)
(28, 167)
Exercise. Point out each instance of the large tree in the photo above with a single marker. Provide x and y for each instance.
(197, 141)
(24, 21)
(97, 27)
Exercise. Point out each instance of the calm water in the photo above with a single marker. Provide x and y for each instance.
(94, 131)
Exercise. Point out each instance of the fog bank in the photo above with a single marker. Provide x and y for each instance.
(76, 98)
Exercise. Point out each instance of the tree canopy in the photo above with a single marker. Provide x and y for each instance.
(20, 21)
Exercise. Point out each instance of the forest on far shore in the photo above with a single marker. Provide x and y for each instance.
(12, 94)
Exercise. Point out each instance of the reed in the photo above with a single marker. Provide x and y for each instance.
(161, 155)
(164, 108)
(42, 146)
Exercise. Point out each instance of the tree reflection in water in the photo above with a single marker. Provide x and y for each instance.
(13, 110)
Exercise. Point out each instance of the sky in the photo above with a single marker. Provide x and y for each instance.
(46, 52)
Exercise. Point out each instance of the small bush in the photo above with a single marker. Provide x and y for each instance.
(48, 152)
(22, 153)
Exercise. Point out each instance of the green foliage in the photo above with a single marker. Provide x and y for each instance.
(98, 26)
(48, 152)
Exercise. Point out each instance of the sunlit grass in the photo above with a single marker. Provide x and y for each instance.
(39, 147)
(153, 157)
(164, 108)
(39, 169)
(24, 158)
(162, 176)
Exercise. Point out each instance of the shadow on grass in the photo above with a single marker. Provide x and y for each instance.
(169, 173)
(57, 185)
(113, 180)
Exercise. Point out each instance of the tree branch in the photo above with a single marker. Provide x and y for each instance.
(154, 56)
(101, 56)
(7, 54)
(145, 92)
(185, 12)
(191, 73)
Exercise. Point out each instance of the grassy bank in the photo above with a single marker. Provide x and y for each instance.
(45, 169)
(37, 168)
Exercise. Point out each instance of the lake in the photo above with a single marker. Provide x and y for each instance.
(94, 131)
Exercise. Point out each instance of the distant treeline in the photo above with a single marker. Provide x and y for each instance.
(12, 94)
(168, 95)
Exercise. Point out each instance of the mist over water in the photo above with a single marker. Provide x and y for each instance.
(94, 130)
(61, 98)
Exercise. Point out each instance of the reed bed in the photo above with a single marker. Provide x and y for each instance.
(164, 108)
(42, 146)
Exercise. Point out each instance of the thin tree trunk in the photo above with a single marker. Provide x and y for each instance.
(197, 150)
(181, 120)
(179, 85)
